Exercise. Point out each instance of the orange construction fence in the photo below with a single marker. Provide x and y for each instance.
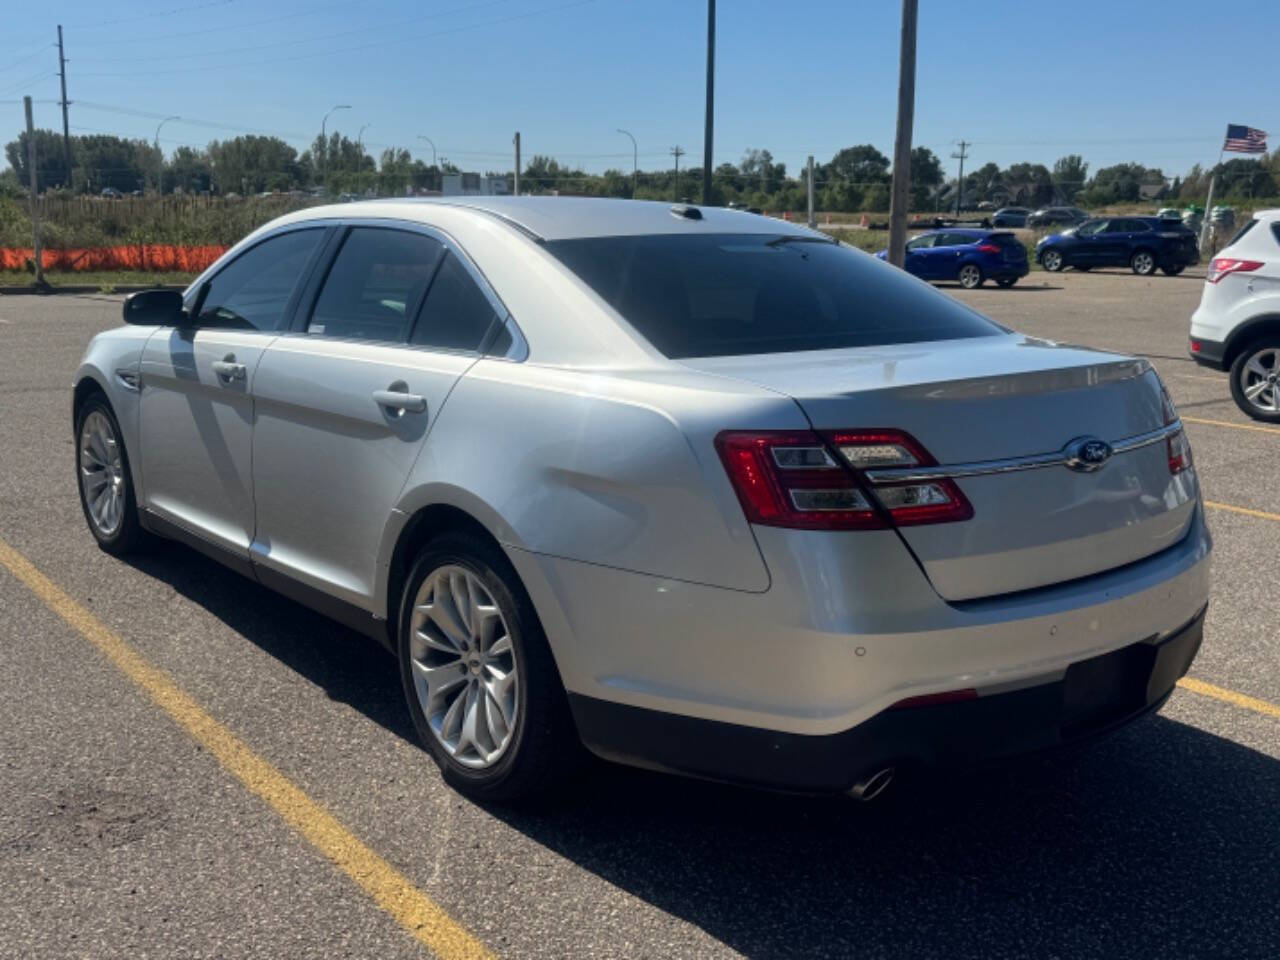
(166, 257)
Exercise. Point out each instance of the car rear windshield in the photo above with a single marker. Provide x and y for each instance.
(726, 295)
(1242, 231)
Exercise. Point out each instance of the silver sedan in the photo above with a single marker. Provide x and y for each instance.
(695, 488)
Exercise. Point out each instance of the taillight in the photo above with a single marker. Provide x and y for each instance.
(988, 248)
(817, 482)
(1177, 447)
(1219, 267)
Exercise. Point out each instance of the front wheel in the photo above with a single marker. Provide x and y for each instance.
(1051, 260)
(478, 675)
(1255, 381)
(1143, 263)
(1006, 282)
(104, 480)
(970, 276)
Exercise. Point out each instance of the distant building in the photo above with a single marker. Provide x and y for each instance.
(474, 185)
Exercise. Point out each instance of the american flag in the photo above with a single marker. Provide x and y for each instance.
(1242, 139)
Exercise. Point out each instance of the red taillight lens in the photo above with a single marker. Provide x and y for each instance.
(988, 248)
(1177, 446)
(1219, 267)
(812, 482)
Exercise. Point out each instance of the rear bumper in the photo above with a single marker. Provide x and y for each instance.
(1093, 697)
(1208, 353)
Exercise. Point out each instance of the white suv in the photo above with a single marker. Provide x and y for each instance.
(1237, 326)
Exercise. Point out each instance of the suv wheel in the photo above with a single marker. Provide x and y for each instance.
(1006, 282)
(104, 480)
(1255, 381)
(971, 277)
(482, 687)
(1051, 260)
(1173, 270)
(1143, 263)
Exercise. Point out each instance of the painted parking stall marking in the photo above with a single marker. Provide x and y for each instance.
(390, 889)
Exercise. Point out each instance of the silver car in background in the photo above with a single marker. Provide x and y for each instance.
(704, 491)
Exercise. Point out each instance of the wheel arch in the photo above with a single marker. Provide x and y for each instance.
(88, 382)
(1246, 333)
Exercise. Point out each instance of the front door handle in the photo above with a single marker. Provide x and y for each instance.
(228, 370)
(397, 399)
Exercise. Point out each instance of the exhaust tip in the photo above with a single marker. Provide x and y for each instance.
(872, 785)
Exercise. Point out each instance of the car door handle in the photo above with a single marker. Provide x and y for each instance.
(400, 400)
(228, 370)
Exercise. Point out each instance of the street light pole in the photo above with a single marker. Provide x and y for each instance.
(160, 153)
(711, 97)
(324, 143)
(635, 163)
(360, 138)
(433, 148)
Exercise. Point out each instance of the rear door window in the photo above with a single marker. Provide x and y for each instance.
(456, 314)
(375, 285)
(725, 294)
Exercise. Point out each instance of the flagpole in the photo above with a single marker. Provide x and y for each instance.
(1208, 203)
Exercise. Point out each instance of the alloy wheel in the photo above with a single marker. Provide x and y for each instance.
(1143, 263)
(1052, 261)
(102, 479)
(464, 666)
(1260, 380)
(970, 276)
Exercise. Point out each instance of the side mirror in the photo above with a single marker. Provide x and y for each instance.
(154, 308)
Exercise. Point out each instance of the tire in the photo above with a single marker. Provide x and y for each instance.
(1173, 271)
(1143, 263)
(1006, 282)
(1052, 261)
(104, 480)
(1258, 363)
(1083, 269)
(970, 276)
(522, 741)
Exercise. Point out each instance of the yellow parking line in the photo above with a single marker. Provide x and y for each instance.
(1242, 700)
(1262, 514)
(386, 886)
(1228, 423)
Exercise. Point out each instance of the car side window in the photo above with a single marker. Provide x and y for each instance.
(456, 314)
(921, 243)
(253, 291)
(1089, 229)
(375, 284)
(1120, 226)
(1138, 226)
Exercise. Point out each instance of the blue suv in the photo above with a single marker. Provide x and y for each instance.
(1140, 243)
(969, 257)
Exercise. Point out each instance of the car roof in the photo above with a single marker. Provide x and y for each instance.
(963, 231)
(567, 218)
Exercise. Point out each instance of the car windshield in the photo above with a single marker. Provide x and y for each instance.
(724, 294)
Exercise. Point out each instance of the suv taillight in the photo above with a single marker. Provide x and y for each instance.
(810, 481)
(988, 248)
(1219, 267)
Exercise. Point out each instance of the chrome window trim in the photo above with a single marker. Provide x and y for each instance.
(1038, 461)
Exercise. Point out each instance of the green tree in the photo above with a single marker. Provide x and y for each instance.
(252, 164)
(1244, 179)
(51, 168)
(926, 176)
(862, 165)
(1069, 175)
(189, 170)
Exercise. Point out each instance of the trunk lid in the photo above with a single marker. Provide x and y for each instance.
(992, 399)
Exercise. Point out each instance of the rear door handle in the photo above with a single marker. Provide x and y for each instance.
(228, 370)
(400, 400)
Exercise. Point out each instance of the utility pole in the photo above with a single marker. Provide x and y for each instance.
(813, 220)
(635, 163)
(66, 126)
(961, 155)
(711, 97)
(678, 152)
(35, 192)
(902, 142)
(516, 190)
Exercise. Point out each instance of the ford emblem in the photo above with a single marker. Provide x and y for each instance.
(1086, 454)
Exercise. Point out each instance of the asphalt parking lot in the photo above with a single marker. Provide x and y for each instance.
(193, 766)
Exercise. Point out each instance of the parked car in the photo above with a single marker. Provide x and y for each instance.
(1237, 325)
(1140, 243)
(701, 490)
(966, 256)
(111, 193)
(1169, 213)
(1056, 217)
(1010, 217)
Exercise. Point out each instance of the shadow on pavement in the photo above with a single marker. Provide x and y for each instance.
(1159, 841)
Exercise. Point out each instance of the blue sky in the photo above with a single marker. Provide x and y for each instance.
(1022, 81)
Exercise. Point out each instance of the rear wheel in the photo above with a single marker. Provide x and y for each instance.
(1083, 269)
(1051, 260)
(481, 684)
(104, 480)
(970, 276)
(1006, 282)
(1143, 263)
(1174, 269)
(1255, 380)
